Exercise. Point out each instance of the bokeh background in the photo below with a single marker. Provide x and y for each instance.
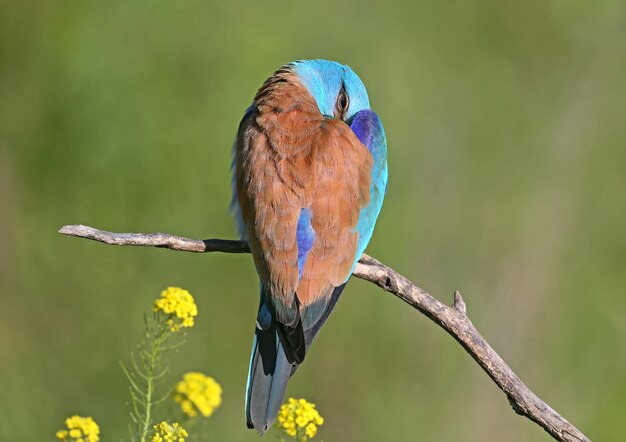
(506, 128)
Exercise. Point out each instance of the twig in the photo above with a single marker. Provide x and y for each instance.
(453, 319)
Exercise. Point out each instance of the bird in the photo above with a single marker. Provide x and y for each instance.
(309, 175)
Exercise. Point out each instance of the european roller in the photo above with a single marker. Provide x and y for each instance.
(309, 178)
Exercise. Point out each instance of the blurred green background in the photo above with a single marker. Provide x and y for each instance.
(506, 128)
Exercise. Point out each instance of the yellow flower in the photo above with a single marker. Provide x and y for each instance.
(198, 393)
(79, 429)
(165, 432)
(178, 305)
(299, 419)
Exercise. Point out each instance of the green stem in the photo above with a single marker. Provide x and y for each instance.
(150, 369)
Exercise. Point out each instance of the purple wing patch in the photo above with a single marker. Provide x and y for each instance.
(365, 125)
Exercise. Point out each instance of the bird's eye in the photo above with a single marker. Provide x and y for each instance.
(343, 102)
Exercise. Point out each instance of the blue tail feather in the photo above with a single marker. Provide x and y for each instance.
(267, 379)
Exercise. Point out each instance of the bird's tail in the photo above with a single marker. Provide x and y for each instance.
(270, 368)
(267, 379)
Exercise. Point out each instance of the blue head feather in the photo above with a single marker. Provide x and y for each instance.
(324, 80)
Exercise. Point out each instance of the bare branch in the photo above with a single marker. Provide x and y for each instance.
(452, 319)
(163, 240)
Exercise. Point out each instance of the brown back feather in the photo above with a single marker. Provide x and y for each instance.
(290, 157)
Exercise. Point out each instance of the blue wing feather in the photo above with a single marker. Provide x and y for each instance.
(305, 236)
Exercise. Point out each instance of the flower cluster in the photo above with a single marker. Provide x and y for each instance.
(165, 432)
(299, 419)
(179, 305)
(79, 429)
(197, 393)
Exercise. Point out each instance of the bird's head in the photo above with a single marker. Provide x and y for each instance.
(337, 90)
